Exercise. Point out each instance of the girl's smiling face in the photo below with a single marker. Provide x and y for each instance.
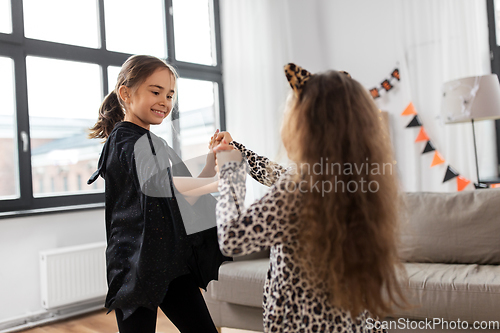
(152, 101)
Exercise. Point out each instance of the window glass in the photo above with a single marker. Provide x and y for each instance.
(63, 101)
(113, 72)
(497, 19)
(194, 33)
(144, 25)
(62, 21)
(5, 17)
(9, 175)
(63, 96)
(197, 120)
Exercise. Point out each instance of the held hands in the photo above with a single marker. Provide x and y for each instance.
(220, 142)
(225, 153)
(217, 138)
(210, 168)
(212, 143)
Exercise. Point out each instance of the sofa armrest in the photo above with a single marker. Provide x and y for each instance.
(252, 256)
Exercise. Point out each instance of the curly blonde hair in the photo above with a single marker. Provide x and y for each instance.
(347, 236)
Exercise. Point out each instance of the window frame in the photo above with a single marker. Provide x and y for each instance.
(17, 47)
(495, 69)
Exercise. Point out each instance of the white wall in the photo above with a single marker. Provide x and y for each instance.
(442, 39)
(365, 38)
(20, 241)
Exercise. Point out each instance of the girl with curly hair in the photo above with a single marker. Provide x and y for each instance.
(330, 223)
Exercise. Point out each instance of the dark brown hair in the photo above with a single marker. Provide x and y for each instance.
(348, 239)
(134, 71)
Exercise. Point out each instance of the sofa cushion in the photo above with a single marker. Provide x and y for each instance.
(451, 292)
(462, 228)
(241, 282)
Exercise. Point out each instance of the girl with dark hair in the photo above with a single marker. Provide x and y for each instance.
(333, 259)
(151, 260)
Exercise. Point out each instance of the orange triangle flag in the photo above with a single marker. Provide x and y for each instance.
(462, 183)
(422, 136)
(438, 159)
(410, 110)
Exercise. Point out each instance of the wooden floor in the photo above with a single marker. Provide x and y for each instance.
(97, 322)
(100, 322)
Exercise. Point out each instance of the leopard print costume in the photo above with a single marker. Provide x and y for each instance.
(290, 303)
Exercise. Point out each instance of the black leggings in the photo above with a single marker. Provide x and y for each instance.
(183, 305)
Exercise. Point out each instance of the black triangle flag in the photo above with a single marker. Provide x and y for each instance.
(415, 122)
(480, 185)
(450, 174)
(428, 147)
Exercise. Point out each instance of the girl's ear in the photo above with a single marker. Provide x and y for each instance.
(124, 93)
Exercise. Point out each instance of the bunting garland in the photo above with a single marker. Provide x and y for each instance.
(386, 84)
(462, 182)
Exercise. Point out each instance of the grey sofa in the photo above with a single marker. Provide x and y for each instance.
(450, 246)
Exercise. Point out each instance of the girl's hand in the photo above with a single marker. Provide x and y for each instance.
(223, 136)
(222, 146)
(216, 140)
(208, 170)
(222, 153)
(211, 143)
(211, 154)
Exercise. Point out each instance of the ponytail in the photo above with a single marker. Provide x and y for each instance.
(110, 113)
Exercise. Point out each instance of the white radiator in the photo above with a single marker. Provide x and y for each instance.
(73, 275)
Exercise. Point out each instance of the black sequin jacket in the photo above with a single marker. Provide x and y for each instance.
(147, 245)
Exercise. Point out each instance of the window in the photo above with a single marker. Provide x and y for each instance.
(79, 19)
(198, 120)
(493, 7)
(5, 17)
(9, 171)
(144, 23)
(57, 67)
(194, 43)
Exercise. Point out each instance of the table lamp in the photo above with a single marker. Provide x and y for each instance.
(469, 99)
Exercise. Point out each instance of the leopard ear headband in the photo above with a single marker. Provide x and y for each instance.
(297, 77)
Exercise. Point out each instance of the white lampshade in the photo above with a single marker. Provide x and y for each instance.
(476, 97)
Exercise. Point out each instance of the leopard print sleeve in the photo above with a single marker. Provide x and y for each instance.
(265, 223)
(262, 169)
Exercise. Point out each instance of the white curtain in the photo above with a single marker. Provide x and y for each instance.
(255, 49)
(257, 37)
(253, 56)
